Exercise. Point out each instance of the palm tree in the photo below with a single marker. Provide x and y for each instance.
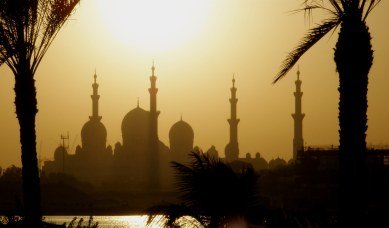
(27, 29)
(353, 57)
(212, 193)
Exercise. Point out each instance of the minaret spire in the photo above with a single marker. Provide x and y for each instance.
(95, 99)
(153, 70)
(298, 116)
(232, 148)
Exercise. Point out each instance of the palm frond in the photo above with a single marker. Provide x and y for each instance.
(338, 7)
(8, 41)
(171, 214)
(310, 5)
(312, 37)
(28, 27)
(7, 53)
(212, 193)
(214, 188)
(363, 3)
(54, 15)
(370, 8)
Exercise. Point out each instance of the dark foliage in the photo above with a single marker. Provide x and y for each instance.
(81, 222)
(212, 193)
(12, 221)
(338, 11)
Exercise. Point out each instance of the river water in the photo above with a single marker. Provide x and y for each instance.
(133, 221)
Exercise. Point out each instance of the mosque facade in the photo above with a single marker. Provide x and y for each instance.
(140, 159)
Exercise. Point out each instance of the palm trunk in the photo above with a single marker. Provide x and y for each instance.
(353, 58)
(26, 109)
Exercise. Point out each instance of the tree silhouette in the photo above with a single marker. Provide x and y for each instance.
(212, 193)
(27, 29)
(353, 57)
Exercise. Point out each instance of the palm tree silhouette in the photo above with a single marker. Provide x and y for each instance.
(27, 29)
(353, 57)
(212, 193)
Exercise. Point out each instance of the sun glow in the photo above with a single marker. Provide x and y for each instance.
(154, 24)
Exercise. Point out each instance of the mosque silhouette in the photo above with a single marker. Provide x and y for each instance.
(141, 159)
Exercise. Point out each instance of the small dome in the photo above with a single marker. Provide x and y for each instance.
(135, 126)
(260, 163)
(93, 132)
(277, 163)
(181, 130)
(212, 152)
(181, 137)
(59, 153)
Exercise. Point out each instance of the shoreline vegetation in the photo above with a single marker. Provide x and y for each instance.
(295, 193)
(75, 222)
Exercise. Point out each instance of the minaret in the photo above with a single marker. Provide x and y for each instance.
(94, 133)
(95, 100)
(232, 148)
(298, 116)
(153, 90)
(154, 141)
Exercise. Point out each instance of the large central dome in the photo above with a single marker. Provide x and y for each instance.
(135, 127)
(94, 135)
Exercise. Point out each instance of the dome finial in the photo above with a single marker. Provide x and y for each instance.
(153, 68)
(181, 116)
(137, 103)
(95, 76)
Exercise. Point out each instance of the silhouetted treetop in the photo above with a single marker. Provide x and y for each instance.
(338, 10)
(28, 27)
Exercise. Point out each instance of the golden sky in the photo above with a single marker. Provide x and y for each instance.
(197, 46)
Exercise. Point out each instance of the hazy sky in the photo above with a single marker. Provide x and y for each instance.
(197, 45)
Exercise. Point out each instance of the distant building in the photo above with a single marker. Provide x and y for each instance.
(277, 163)
(141, 160)
(232, 148)
(327, 157)
(258, 162)
(212, 152)
(298, 116)
(181, 136)
(92, 160)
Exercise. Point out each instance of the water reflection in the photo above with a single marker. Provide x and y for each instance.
(125, 221)
(133, 221)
